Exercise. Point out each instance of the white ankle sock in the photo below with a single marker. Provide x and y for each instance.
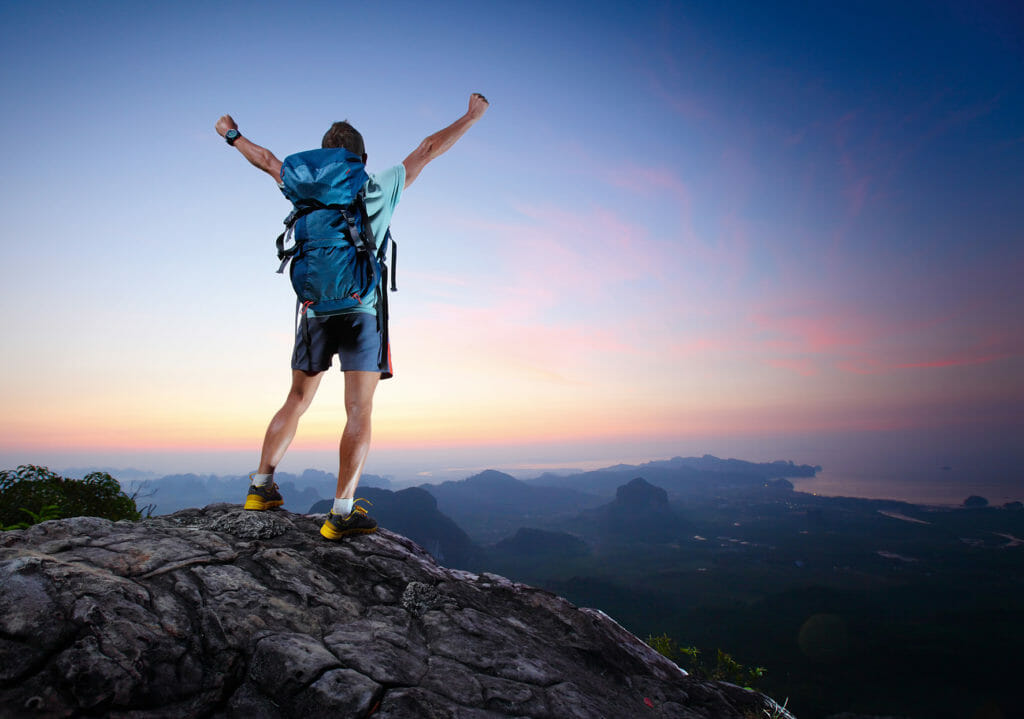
(342, 506)
(259, 480)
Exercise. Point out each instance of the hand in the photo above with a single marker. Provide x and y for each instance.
(224, 124)
(477, 106)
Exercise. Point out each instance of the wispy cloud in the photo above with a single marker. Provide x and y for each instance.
(801, 366)
(960, 361)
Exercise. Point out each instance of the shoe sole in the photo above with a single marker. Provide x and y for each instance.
(329, 532)
(255, 501)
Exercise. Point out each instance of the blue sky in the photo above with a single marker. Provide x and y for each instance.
(766, 230)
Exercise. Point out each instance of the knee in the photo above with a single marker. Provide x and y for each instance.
(358, 411)
(299, 400)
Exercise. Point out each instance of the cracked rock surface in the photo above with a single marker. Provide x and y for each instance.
(219, 612)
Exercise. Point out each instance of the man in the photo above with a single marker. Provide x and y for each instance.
(354, 336)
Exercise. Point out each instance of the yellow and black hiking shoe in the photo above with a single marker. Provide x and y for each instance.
(357, 522)
(265, 497)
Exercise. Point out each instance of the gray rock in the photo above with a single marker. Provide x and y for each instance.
(223, 613)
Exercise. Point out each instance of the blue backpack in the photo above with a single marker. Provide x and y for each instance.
(336, 264)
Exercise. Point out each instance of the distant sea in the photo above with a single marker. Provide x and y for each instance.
(938, 487)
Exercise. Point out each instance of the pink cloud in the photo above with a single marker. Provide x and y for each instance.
(987, 346)
(856, 193)
(879, 317)
(954, 361)
(852, 155)
(802, 366)
(502, 338)
(926, 345)
(701, 346)
(686, 104)
(873, 146)
(950, 121)
(814, 332)
(576, 257)
(645, 179)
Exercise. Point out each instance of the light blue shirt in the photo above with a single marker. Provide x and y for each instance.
(381, 196)
(382, 193)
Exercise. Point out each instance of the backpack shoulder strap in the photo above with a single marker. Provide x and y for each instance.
(371, 243)
(364, 240)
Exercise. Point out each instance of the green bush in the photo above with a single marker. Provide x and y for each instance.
(36, 493)
(665, 646)
(724, 668)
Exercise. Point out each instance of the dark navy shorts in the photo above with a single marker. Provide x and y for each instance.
(356, 338)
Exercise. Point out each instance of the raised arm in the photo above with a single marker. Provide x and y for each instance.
(261, 157)
(441, 141)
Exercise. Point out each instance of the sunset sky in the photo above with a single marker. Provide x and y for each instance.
(762, 230)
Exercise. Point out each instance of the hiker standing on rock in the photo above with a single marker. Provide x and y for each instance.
(339, 273)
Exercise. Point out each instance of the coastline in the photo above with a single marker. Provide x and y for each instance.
(937, 488)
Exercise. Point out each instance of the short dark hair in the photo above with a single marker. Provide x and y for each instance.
(345, 136)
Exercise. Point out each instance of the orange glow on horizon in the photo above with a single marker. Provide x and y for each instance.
(502, 426)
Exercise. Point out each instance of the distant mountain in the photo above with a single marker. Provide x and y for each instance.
(639, 513)
(537, 543)
(174, 492)
(680, 476)
(126, 474)
(642, 495)
(324, 482)
(181, 491)
(493, 505)
(413, 512)
(778, 468)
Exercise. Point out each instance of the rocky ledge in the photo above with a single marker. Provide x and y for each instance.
(220, 612)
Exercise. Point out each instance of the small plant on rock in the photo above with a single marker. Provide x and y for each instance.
(774, 710)
(725, 667)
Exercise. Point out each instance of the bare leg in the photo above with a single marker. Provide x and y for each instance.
(355, 440)
(286, 421)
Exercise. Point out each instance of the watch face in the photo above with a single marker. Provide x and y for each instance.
(231, 134)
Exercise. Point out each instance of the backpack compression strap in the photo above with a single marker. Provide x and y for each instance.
(366, 244)
(286, 254)
(362, 241)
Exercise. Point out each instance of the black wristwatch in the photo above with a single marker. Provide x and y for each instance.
(231, 135)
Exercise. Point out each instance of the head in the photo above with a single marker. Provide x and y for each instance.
(343, 135)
